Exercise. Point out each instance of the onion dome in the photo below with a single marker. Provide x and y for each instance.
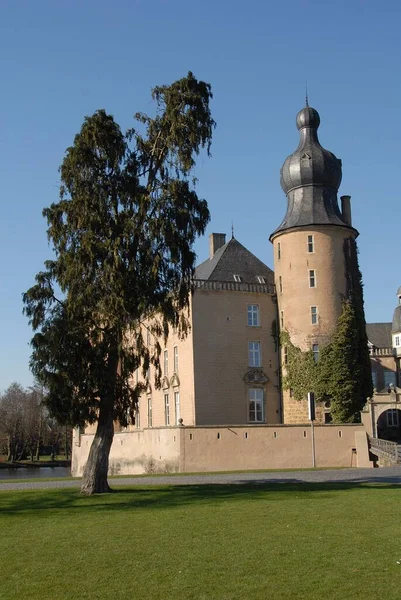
(310, 178)
(396, 324)
(310, 164)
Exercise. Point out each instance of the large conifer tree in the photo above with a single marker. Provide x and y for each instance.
(122, 235)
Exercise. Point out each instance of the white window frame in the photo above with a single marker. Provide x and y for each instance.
(397, 341)
(314, 315)
(312, 278)
(392, 417)
(165, 362)
(256, 405)
(175, 350)
(254, 354)
(150, 416)
(253, 315)
(311, 243)
(166, 410)
(177, 407)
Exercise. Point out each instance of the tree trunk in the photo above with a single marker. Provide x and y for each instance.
(95, 473)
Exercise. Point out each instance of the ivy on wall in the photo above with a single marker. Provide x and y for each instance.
(342, 374)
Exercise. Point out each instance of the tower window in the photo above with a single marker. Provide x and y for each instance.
(280, 284)
(278, 250)
(253, 315)
(311, 243)
(315, 350)
(313, 315)
(254, 354)
(282, 319)
(312, 278)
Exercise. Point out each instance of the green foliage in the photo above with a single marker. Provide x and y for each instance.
(122, 234)
(301, 371)
(343, 374)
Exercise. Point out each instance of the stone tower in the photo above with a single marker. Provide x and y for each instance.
(309, 263)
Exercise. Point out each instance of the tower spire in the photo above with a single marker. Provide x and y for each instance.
(232, 230)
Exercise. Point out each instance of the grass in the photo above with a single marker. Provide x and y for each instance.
(215, 542)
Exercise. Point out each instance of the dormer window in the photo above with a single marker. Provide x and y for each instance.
(237, 278)
(261, 279)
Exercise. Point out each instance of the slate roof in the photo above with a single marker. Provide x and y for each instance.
(233, 259)
(379, 334)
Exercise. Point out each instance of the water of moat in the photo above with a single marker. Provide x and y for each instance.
(34, 472)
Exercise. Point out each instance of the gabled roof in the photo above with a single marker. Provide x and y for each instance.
(234, 259)
(379, 334)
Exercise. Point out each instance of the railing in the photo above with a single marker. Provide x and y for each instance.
(385, 448)
(234, 286)
(381, 351)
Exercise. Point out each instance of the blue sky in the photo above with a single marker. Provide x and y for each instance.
(60, 61)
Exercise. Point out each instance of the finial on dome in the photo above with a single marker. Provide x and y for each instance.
(306, 93)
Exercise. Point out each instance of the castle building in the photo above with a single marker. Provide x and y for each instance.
(222, 382)
(309, 246)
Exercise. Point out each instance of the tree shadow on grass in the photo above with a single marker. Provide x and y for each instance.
(42, 503)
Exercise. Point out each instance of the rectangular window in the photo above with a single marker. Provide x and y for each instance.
(137, 418)
(280, 284)
(285, 355)
(253, 315)
(311, 243)
(312, 278)
(389, 378)
(166, 410)
(150, 420)
(278, 250)
(254, 354)
(397, 341)
(175, 359)
(282, 319)
(255, 405)
(165, 363)
(313, 315)
(315, 350)
(177, 407)
(374, 379)
(392, 417)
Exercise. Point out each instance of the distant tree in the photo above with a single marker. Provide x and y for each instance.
(12, 421)
(122, 233)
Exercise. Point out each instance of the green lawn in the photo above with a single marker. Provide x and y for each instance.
(216, 542)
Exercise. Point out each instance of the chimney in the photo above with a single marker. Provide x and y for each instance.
(216, 241)
(346, 209)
